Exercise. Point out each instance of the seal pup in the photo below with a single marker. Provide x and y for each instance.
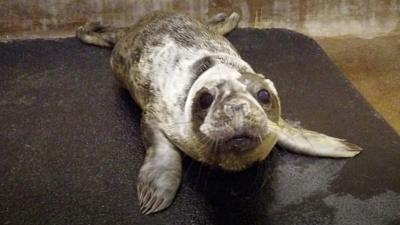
(200, 97)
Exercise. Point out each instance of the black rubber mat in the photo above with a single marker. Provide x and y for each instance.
(71, 146)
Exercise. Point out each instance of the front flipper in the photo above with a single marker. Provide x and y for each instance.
(312, 143)
(160, 174)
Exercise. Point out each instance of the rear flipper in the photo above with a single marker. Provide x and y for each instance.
(222, 24)
(96, 34)
(312, 143)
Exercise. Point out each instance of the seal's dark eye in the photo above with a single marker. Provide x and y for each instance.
(205, 100)
(263, 96)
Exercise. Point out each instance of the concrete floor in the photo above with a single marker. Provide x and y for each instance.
(373, 66)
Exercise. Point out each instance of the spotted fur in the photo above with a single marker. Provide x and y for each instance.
(166, 61)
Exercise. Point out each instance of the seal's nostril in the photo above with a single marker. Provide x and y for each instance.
(237, 107)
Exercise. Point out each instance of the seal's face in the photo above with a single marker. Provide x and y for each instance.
(232, 115)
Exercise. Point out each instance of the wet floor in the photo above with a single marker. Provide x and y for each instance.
(373, 66)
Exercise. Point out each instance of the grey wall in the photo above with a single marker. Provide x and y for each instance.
(54, 18)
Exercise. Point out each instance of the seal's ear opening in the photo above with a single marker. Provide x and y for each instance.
(275, 100)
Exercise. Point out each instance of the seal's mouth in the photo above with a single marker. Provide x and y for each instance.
(239, 144)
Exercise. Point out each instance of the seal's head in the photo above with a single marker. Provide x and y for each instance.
(232, 114)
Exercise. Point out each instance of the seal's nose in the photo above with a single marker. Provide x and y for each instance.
(234, 108)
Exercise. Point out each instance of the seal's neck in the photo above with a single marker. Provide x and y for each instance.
(235, 62)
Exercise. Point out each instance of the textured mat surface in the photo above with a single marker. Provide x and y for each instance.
(71, 147)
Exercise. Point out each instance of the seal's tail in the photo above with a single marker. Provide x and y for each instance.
(222, 24)
(96, 34)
